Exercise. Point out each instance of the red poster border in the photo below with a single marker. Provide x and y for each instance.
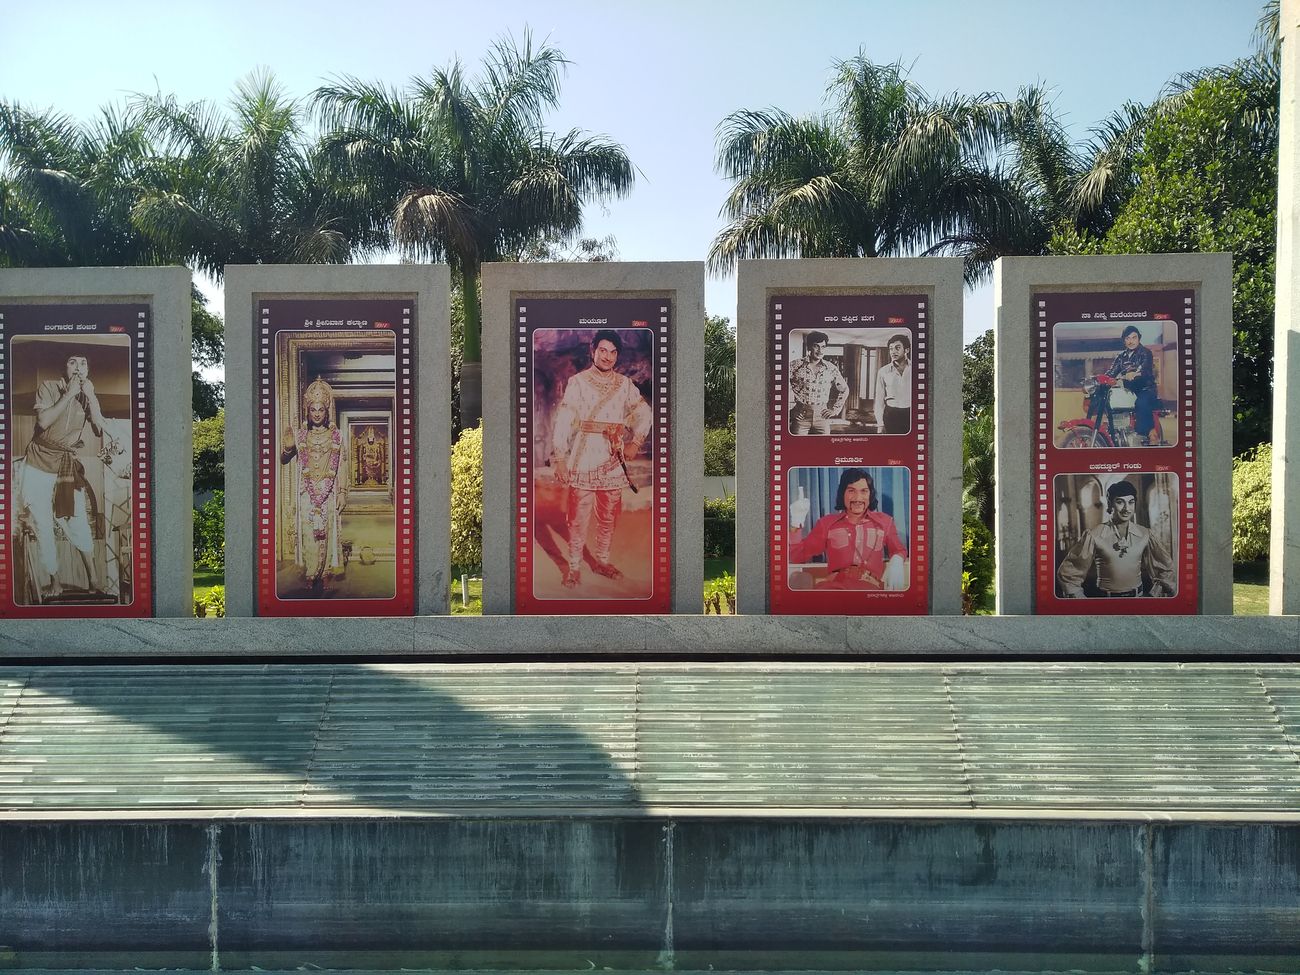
(1179, 459)
(908, 312)
(528, 315)
(403, 314)
(140, 364)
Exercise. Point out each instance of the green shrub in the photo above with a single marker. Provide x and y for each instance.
(720, 592)
(720, 451)
(212, 603)
(1252, 503)
(467, 501)
(210, 533)
(719, 527)
(977, 565)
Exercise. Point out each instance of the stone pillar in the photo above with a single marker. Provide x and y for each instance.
(936, 370)
(427, 289)
(169, 411)
(1036, 420)
(511, 435)
(1284, 549)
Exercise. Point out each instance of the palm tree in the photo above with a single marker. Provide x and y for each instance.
(1041, 184)
(891, 171)
(68, 189)
(719, 370)
(887, 171)
(978, 474)
(465, 171)
(244, 188)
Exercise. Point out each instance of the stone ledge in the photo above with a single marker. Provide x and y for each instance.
(630, 637)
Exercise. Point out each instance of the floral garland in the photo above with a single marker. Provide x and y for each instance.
(316, 516)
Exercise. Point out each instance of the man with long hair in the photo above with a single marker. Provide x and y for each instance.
(860, 543)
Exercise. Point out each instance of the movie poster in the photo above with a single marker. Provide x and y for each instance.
(335, 433)
(593, 518)
(1115, 458)
(74, 480)
(849, 445)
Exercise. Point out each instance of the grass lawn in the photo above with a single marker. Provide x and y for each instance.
(474, 607)
(714, 568)
(205, 579)
(1250, 589)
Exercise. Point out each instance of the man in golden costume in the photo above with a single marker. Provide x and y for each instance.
(318, 446)
(372, 459)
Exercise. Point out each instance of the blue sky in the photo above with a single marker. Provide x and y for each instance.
(656, 77)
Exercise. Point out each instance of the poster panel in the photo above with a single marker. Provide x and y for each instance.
(1115, 458)
(74, 481)
(335, 410)
(593, 437)
(848, 420)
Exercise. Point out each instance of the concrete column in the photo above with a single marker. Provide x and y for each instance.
(430, 286)
(1284, 551)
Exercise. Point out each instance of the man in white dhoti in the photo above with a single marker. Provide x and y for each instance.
(598, 413)
(54, 489)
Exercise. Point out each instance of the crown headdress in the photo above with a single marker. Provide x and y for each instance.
(319, 391)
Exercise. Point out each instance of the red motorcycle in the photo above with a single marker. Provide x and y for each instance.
(1111, 419)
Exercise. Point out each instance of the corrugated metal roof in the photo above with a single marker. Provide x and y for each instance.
(611, 738)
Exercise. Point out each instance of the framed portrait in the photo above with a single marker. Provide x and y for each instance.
(849, 529)
(848, 396)
(76, 441)
(335, 480)
(1118, 535)
(849, 381)
(1115, 383)
(593, 514)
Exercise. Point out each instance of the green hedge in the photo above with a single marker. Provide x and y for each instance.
(719, 527)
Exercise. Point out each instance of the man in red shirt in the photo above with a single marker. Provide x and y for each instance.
(856, 542)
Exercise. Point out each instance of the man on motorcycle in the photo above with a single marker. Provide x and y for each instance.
(1137, 367)
(1121, 551)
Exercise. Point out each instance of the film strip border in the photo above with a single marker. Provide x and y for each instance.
(142, 565)
(402, 454)
(662, 462)
(920, 429)
(1186, 419)
(143, 582)
(7, 596)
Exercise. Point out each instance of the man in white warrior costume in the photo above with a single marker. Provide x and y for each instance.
(54, 487)
(589, 455)
(1121, 550)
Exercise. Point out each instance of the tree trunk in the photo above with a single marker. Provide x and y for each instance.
(471, 365)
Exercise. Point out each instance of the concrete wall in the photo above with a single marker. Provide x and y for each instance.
(1015, 280)
(655, 892)
(167, 292)
(938, 278)
(683, 282)
(430, 286)
(1284, 552)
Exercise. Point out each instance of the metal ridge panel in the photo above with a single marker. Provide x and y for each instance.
(1201, 740)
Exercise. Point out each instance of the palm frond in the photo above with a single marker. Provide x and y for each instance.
(432, 223)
